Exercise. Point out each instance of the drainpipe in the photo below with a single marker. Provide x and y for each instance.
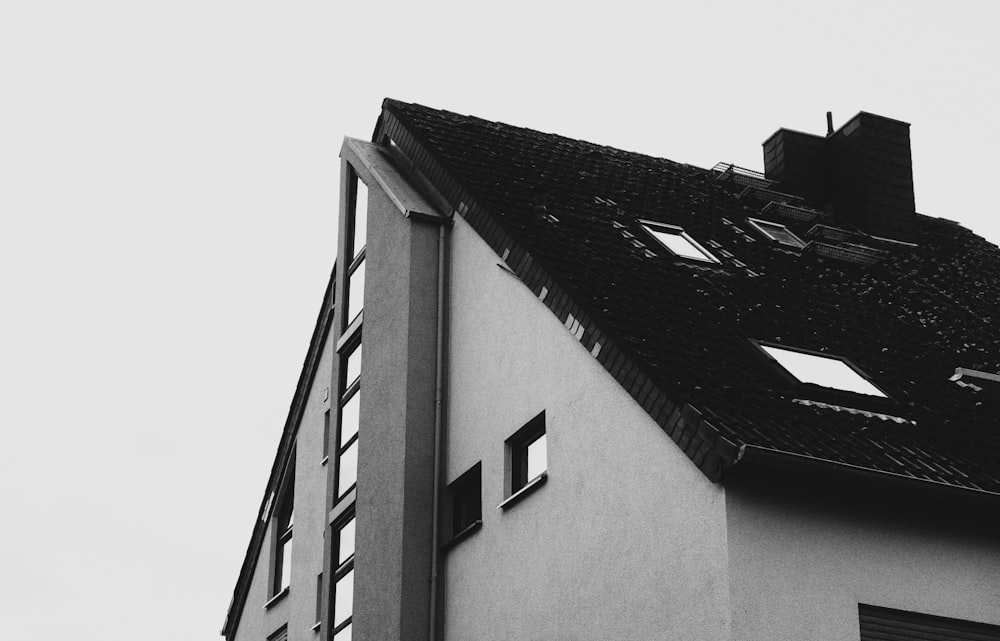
(439, 392)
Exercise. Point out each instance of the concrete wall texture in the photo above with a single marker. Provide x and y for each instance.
(626, 540)
(396, 442)
(298, 608)
(801, 563)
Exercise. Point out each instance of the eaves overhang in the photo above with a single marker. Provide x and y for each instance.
(754, 461)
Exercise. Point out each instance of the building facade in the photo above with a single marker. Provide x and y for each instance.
(562, 391)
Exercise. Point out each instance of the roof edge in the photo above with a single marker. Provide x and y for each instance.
(697, 437)
(758, 459)
(295, 410)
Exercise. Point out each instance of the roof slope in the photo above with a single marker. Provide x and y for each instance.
(908, 320)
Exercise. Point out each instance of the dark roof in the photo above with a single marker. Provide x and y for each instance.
(906, 315)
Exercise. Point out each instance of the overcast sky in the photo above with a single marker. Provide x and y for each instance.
(168, 198)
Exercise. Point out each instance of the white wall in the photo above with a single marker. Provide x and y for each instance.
(626, 540)
(801, 563)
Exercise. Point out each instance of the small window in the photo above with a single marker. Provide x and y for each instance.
(528, 453)
(678, 242)
(281, 576)
(319, 598)
(465, 498)
(777, 232)
(826, 371)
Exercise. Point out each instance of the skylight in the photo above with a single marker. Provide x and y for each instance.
(777, 232)
(678, 242)
(825, 371)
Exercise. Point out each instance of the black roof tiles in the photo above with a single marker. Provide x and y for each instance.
(907, 319)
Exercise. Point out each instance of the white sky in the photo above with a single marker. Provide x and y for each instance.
(168, 193)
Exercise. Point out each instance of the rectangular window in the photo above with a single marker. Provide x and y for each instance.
(342, 590)
(465, 499)
(356, 291)
(777, 232)
(678, 242)
(326, 434)
(527, 455)
(822, 370)
(357, 220)
(281, 576)
(350, 410)
(319, 597)
(359, 217)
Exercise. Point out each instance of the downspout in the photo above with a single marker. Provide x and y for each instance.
(439, 391)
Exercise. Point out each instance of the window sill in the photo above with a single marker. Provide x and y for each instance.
(528, 488)
(325, 460)
(276, 598)
(468, 531)
(316, 626)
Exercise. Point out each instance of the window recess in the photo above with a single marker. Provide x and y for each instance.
(777, 232)
(823, 370)
(465, 510)
(342, 587)
(678, 242)
(526, 460)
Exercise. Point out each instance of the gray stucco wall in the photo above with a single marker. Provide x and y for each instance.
(801, 562)
(395, 480)
(626, 540)
(298, 608)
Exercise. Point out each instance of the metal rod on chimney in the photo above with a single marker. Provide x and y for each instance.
(829, 123)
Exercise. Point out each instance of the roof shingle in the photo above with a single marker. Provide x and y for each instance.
(906, 315)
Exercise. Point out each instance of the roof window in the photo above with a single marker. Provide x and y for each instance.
(823, 370)
(777, 232)
(678, 242)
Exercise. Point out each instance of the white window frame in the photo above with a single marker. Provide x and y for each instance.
(654, 228)
(863, 382)
(761, 226)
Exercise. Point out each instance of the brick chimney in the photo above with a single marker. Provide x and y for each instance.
(863, 172)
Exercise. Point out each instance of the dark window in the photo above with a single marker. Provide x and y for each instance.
(326, 434)
(282, 532)
(281, 634)
(777, 232)
(465, 497)
(878, 624)
(527, 448)
(319, 597)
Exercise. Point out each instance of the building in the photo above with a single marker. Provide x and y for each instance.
(605, 395)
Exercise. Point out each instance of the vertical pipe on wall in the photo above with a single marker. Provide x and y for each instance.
(439, 390)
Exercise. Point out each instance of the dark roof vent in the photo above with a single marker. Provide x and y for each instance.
(863, 170)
